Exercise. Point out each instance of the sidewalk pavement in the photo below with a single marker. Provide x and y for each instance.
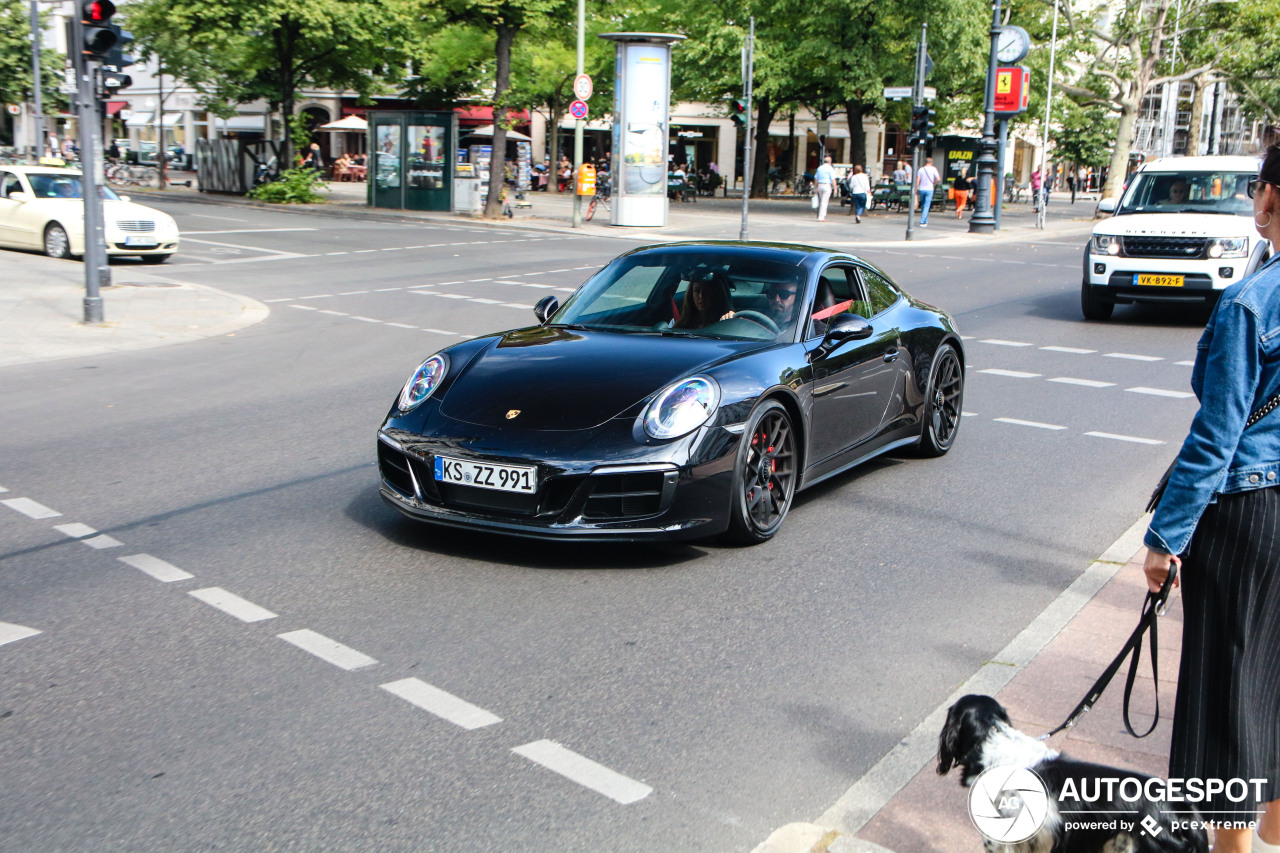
(900, 804)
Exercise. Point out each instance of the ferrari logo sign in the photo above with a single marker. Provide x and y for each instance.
(1013, 90)
(513, 413)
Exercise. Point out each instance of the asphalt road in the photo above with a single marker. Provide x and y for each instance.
(704, 694)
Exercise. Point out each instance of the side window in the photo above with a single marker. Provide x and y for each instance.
(838, 292)
(881, 294)
(9, 183)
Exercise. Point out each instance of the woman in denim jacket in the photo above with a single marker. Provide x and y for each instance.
(1221, 513)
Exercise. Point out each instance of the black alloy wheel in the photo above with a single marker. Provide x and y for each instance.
(764, 477)
(944, 403)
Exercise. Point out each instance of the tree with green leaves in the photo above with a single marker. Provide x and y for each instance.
(238, 51)
(15, 60)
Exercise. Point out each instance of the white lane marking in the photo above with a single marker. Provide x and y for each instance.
(1131, 357)
(1014, 374)
(968, 414)
(402, 325)
(966, 337)
(331, 254)
(101, 541)
(477, 280)
(1184, 364)
(318, 296)
(330, 651)
(441, 703)
(1087, 383)
(1131, 438)
(30, 508)
(75, 530)
(442, 332)
(517, 305)
(1001, 343)
(353, 293)
(333, 313)
(3, 490)
(157, 568)
(1161, 392)
(245, 611)
(392, 249)
(281, 299)
(363, 251)
(566, 290)
(451, 295)
(1072, 350)
(364, 319)
(486, 301)
(305, 307)
(387, 289)
(245, 231)
(539, 286)
(10, 632)
(584, 771)
(1036, 424)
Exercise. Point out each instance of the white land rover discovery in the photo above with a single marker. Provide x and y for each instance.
(1182, 232)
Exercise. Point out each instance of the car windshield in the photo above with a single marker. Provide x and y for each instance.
(62, 186)
(711, 295)
(1188, 192)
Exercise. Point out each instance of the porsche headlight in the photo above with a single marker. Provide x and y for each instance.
(1105, 244)
(681, 408)
(423, 381)
(1229, 247)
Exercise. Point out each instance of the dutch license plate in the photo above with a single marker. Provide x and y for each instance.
(141, 242)
(486, 475)
(1153, 280)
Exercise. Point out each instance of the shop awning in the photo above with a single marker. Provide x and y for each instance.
(246, 123)
(114, 107)
(149, 120)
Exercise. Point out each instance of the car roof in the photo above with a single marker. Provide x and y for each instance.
(1213, 163)
(793, 253)
(42, 170)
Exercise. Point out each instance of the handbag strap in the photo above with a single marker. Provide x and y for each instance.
(1266, 409)
(1152, 608)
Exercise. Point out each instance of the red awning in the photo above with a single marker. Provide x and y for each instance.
(476, 116)
(114, 107)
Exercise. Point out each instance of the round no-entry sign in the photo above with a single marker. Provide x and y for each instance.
(582, 86)
(578, 109)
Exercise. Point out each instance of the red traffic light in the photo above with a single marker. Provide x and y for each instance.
(97, 11)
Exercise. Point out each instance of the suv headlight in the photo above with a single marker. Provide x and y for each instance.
(1105, 244)
(681, 408)
(1229, 247)
(423, 381)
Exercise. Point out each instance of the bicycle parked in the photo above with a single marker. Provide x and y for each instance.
(603, 195)
(132, 174)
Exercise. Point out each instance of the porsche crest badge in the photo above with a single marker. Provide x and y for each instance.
(513, 413)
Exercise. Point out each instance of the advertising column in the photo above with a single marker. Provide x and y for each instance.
(642, 94)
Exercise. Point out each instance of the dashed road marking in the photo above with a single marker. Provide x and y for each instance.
(30, 508)
(333, 313)
(330, 651)
(1160, 392)
(353, 293)
(1013, 374)
(1001, 343)
(102, 541)
(441, 703)
(11, 633)
(1087, 383)
(234, 605)
(584, 771)
(1071, 350)
(75, 530)
(1184, 364)
(1131, 357)
(1130, 438)
(157, 568)
(1036, 424)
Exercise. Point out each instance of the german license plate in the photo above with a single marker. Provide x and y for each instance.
(140, 242)
(486, 475)
(1153, 280)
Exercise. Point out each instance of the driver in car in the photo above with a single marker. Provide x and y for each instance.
(781, 304)
(1177, 192)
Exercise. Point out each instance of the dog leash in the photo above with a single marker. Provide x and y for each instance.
(1152, 609)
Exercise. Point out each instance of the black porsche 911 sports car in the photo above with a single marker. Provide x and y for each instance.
(684, 391)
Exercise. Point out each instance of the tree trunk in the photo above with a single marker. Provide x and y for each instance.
(854, 111)
(760, 156)
(1197, 114)
(1117, 173)
(498, 156)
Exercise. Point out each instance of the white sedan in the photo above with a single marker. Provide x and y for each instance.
(42, 207)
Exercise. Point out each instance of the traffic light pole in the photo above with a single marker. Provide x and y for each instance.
(749, 67)
(38, 148)
(96, 273)
(917, 100)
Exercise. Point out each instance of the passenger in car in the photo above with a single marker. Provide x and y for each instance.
(705, 302)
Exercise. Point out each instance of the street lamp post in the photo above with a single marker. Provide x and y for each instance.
(983, 221)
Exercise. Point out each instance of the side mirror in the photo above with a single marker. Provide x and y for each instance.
(844, 327)
(19, 196)
(125, 198)
(546, 307)
(1107, 205)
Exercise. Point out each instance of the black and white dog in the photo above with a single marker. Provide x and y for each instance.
(1090, 808)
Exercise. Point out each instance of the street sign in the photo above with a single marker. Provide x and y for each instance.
(578, 109)
(1013, 90)
(896, 93)
(930, 93)
(582, 86)
(14, 109)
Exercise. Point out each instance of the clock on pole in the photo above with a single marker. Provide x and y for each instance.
(1012, 44)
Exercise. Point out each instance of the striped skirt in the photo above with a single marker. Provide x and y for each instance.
(1226, 720)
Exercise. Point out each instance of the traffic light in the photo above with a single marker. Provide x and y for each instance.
(97, 34)
(116, 60)
(921, 126)
(738, 112)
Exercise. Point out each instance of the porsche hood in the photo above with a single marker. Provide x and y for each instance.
(556, 378)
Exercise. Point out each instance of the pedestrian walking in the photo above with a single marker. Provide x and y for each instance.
(961, 189)
(1219, 519)
(1071, 185)
(925, 183)
(859, 192)
(824, 184)
(1035, 190)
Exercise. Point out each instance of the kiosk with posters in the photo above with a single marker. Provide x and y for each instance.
(412, 156)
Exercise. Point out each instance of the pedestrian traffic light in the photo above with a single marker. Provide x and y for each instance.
(921, 125)
(738, 112)
(97, 34)
(116, 60)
